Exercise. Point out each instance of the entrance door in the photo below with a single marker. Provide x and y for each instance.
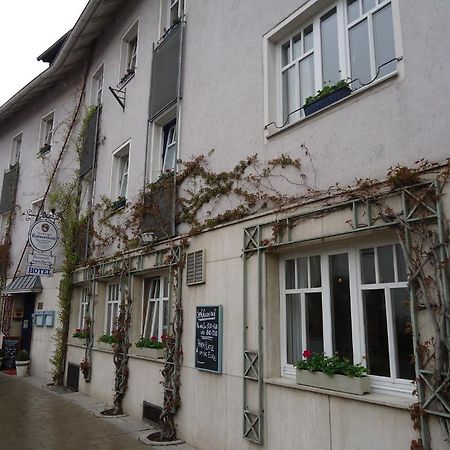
(27, 325)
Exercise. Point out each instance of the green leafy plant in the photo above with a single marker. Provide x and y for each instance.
(109, 338)
(22, 355)
(330, 365)
(152, 342)
(326, 90)
(81, 334)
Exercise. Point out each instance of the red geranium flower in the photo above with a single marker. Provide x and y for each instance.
(307, 354)
(153, 338)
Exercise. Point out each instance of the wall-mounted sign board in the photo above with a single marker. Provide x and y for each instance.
(208, 338)
(10, 347)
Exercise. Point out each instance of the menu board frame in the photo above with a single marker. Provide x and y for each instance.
(204, 363)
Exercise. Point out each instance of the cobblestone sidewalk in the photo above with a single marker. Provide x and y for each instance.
(32, 417)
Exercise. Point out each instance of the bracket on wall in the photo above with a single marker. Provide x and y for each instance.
(119, 95)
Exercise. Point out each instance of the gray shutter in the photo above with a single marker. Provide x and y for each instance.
(8, 197)
(158, 218)
(195, 267)
(89, 145)
(165, 72)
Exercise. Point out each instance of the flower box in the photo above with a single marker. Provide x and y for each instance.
(119, 203)
(340, 383)
(329, 99)
(104, 346)
(155, 353)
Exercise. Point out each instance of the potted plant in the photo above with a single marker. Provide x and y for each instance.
(119, 203)
(106, 341)
(332, 372)
(81, 334)
(22, 363)
(328, 95)
(152, 348)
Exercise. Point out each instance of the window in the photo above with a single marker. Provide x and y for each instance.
(16, 148)
(119, 185)
(84, 308)
(128, 59)
(97, 87)
(171, 13)
(156, 307)
(46, 135)
(350, 40)
(112, 307)
(176, 12)
(169, 151)
(354, 303)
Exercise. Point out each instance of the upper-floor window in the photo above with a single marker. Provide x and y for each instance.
(119, 181)
(352, 302)
(46, 134)
(128, 60)
(176, 11)
(97, 87)
(169, 152)
(351, 40)
(16, 148)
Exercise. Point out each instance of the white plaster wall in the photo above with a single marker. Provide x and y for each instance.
(398, 122)
(42, 342)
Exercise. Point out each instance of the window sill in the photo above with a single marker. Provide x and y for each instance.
(271, 131)
(146, 358)
(125, 80)
(391, 401)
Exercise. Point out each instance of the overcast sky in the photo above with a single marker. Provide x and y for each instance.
(27, 28)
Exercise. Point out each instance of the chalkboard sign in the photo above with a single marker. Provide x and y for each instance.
(10, 348)
(208, 338)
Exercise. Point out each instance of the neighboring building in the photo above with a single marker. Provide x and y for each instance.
(295, 258)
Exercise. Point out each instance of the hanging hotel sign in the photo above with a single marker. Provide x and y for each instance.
(43, 235)
(40, 264)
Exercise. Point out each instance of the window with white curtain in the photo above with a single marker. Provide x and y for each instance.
(84, 308)
(156, 307)
(354, 303)
(112, 307)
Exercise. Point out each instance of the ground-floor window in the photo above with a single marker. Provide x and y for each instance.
(112, 307)
(84, 308)
(156, 307)
(352, 302)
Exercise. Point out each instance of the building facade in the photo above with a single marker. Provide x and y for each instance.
(194, 174)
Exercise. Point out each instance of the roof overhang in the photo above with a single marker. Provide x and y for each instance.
(71, 55)
(23, 285)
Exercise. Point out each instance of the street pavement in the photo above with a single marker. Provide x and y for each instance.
(33, 417)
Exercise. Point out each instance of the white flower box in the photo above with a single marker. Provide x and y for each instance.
(340, 383)
(155, 353)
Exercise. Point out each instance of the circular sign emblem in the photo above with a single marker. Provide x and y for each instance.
(43, 236)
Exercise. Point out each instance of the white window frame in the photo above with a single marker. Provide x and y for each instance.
(169, 144)
(16, 148)
(380, 383)
(311, 13)
(84, 308)
(156, 161)
(97, 86)
(129, 53)
(112, 302)
(161, 301)
(47, 130)
(120, 171)
(165, 17)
